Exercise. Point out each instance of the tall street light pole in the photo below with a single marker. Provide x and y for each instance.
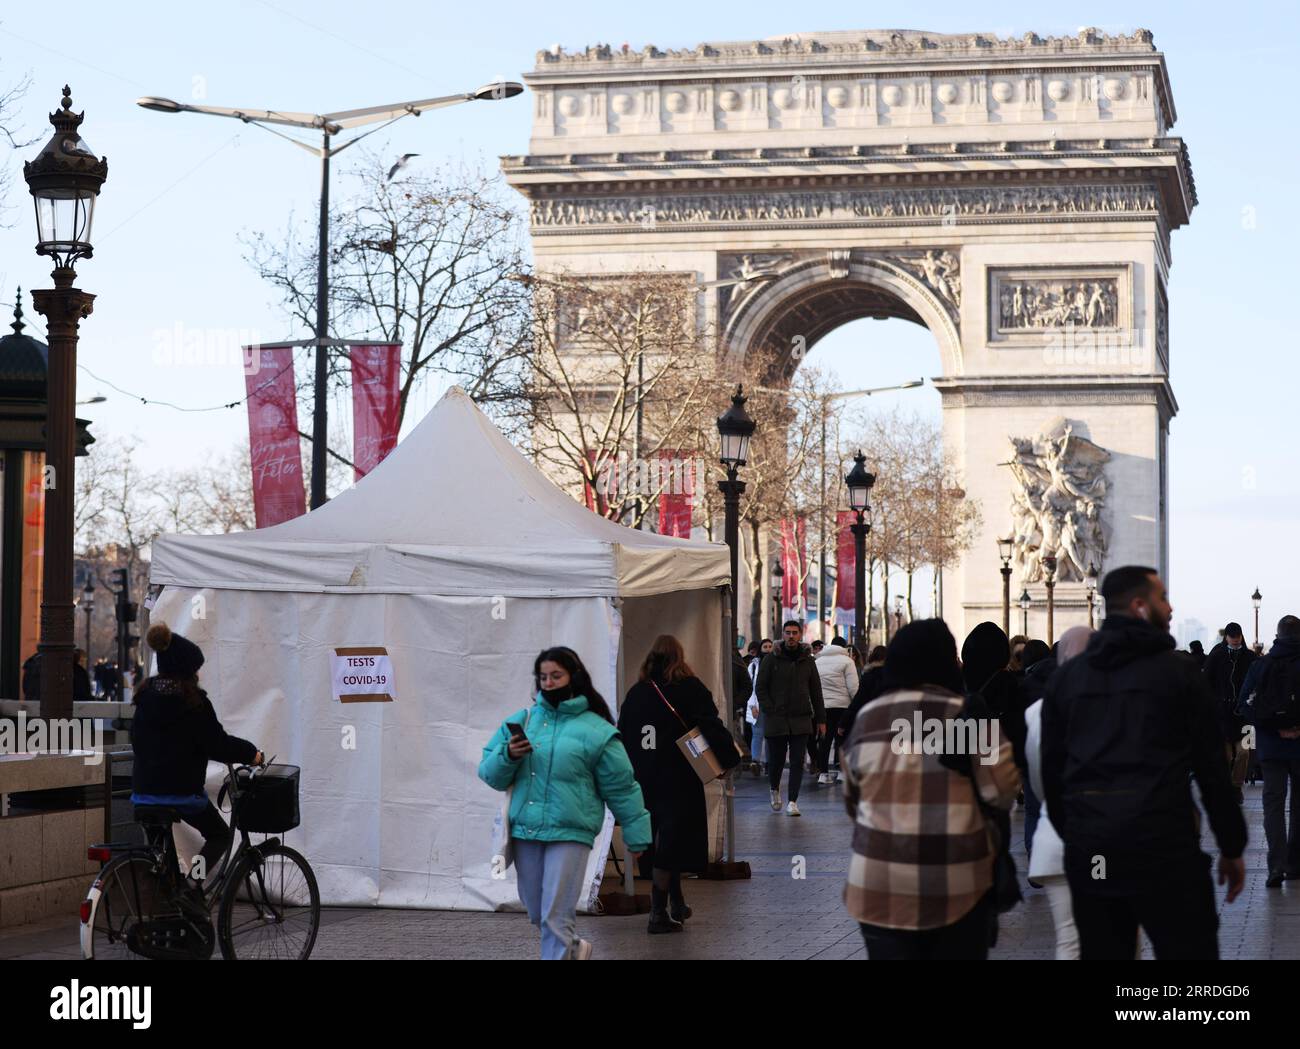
(1049, 567)
(329, 124)
(1005, 549)
(1090, 585)
(1025, 602)
(64, 179)
(1256, 599)
(859, 483)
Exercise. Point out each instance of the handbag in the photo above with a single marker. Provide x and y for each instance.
(502, 844)
(706, 762)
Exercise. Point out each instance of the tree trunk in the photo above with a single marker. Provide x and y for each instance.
(755, 562)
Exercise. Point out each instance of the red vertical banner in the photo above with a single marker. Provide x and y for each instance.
(273, 435)
(376, 371)
(676, 494)
(846, 590)
(794, 559)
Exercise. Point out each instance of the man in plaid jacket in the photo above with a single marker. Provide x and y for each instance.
(923, 855)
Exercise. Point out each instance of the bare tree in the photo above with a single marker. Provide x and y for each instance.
(9, 99)
(427, 261)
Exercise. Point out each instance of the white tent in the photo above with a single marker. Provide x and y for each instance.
(463, 561)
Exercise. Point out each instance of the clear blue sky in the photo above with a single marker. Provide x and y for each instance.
(182, 188)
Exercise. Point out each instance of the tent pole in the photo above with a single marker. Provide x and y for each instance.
(729, 868)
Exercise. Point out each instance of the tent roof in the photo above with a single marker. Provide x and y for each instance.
(454, 509)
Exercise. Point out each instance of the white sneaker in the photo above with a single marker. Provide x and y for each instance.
(582, 951)
(776, 801)
(792, 810)
(824, 779)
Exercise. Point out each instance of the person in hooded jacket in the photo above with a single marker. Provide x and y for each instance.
(1046, 852)
(668, 700)
(839, 679)
(565, 767)
(174, 734)
(1279, 756)
(1126, 727)
(789, 691)
(1038, 665)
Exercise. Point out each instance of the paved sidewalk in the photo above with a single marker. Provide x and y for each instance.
(773, 915)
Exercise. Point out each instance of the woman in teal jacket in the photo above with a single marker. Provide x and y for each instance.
(565, 768)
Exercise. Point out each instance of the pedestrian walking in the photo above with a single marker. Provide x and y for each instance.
(1226, 668)
(870, 685)
(790, 697)
(1038, 666)
(922, 869)
(1046, 851)
(1197, 651)
(668, 700)
(754, 713)
(839, 681)
(1268, 702)
(566, 762)
(1125, 729)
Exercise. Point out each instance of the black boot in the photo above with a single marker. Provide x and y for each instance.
(677, 907)
(660, 919)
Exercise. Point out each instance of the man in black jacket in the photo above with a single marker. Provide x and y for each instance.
(1225, 669)
(789, 692)
(1124, 729)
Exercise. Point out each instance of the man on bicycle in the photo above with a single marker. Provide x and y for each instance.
(174, 734)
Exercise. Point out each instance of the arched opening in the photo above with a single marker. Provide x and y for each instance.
(861, 333)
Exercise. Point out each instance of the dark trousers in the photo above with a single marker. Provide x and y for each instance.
(965, 940)
(1178, 917)
(776, 751)
(1283, 839)
(216, 836)
(834, 715)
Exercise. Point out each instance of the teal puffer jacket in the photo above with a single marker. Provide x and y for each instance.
(576, 768)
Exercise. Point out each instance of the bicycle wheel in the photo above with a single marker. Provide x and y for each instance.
(270, 908)
(130, 891)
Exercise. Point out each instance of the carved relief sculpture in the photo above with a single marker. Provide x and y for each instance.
(1057, 503)
(1091, 302)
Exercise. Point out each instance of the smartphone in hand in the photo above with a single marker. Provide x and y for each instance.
(516, 730)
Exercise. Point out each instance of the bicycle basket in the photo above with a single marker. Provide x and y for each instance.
(268, 802)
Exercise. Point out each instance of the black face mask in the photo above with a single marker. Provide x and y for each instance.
(556, 696)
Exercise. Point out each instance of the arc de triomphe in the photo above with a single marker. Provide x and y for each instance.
(1015, 196)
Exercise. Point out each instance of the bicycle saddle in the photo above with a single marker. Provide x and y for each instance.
(157, 815)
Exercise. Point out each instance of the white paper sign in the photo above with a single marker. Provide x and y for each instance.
(362, 675)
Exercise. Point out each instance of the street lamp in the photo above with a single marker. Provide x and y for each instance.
(735, 428)
(778, 596)
(87, 606)
(329, 124)
(898, 613)
(64, 179)
(859, 483)
(1090, 582)
(1049, 569)
(1255, 600)
(1005, 548)
(1026, 602)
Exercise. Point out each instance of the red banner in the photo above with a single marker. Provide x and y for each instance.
(677, 491)
(794, 561)
(846, 580)
(273, 435)
(376, 371)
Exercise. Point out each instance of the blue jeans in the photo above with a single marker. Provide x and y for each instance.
(758, 743)
(550, 878)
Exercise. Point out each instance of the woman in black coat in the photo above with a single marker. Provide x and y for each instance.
(667, 701)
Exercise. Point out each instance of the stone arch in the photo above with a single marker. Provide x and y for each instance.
(817, 296)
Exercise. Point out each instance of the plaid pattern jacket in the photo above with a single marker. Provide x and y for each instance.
(922, 851)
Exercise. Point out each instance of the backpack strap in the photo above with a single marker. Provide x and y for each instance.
(655, 684)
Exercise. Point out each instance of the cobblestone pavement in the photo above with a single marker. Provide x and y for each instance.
(773, 915)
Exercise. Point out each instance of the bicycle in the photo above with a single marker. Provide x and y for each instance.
(268, 904)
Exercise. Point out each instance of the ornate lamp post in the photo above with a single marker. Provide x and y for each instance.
(1005, 548)
(87, 606)
(898, 613)
(1255, 600)
(1090, 582)
(64, 179)
(859, 483)
(778, 594)
(1049, 568)
(1025, 602)
(735, 428)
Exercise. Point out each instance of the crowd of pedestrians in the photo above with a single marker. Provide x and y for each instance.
(1102, 738)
